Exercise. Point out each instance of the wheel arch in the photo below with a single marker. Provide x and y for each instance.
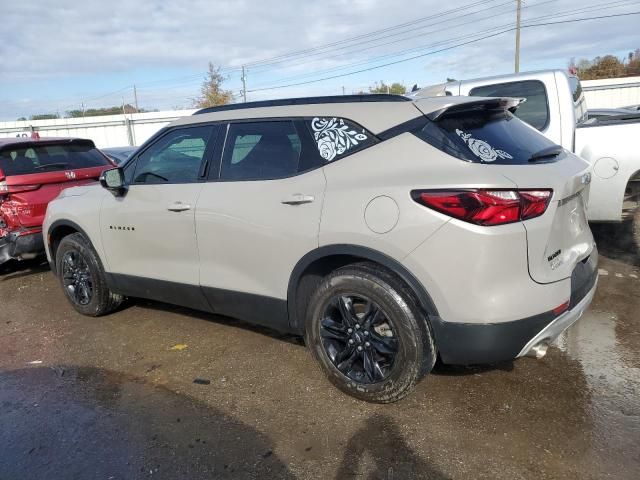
(56, 232)
(316, 264)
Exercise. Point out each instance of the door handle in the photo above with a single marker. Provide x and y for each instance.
(298, 199)
(179, 207)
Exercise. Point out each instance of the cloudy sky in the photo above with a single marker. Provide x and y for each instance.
(57, 56)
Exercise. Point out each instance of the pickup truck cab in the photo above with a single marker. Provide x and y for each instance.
(555, 106)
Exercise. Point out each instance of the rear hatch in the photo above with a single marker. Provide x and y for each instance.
(485, 131)
(36, 171)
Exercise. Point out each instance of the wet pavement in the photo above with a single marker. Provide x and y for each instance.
(114, 398)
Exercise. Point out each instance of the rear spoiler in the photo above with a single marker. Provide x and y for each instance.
(487, 104)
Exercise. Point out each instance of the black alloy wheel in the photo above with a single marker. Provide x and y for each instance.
(76, 277)
(359, 338)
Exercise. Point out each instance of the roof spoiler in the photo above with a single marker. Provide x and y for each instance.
(487, 104)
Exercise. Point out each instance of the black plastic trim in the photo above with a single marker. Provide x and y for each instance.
(13, 246)
(367, 98)
(256, 309)
(408, 126)
(482, 343)
(583, 278)
(354, 251)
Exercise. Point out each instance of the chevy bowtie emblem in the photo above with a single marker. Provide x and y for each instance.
(72, 175)
(586, 178)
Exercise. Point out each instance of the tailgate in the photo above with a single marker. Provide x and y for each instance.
(558, 240)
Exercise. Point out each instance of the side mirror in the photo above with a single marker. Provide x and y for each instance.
(113, 180)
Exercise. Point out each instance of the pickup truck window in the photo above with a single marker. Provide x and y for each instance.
(535, 111)
(488, 137)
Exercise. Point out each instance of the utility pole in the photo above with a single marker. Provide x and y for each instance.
(82, 107)
(244, 85)
(518, 35)
(342, 90)
(135, 98)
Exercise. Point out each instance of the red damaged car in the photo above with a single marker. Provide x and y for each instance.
(32, 173)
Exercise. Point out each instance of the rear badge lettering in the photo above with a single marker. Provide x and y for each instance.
(70, 175)
(334, 137)
(482, 149)
(554, 259)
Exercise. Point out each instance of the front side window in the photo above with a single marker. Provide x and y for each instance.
(175, 158)
(261, 151)
(495, 137)
(534, 111)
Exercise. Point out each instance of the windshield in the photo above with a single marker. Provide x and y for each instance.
(495, 137)
(46, 158)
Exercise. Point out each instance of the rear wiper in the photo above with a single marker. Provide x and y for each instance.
(51, 165)
(552, 151)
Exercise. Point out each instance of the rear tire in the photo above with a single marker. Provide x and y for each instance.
(82, 277)
(384, 349)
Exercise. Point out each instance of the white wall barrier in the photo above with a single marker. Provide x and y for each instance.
(612, 92)
(105, 131)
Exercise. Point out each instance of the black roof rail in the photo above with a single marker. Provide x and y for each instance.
(376, 97)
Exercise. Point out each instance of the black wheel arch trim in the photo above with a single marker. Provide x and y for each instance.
(52, 228)
(366, 253)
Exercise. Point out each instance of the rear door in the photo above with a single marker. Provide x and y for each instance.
(37, 172)
(258, 215)
(149, 232)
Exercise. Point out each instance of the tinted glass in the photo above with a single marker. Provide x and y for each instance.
(174, 158)
(48, 158)
(535, 111)
(260, 150)
(338, 137)
(485, 137)
(579, 104)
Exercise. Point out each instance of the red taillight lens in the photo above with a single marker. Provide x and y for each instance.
(561, 308)
(486, 207)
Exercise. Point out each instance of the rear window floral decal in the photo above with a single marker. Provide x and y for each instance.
(334, 137)
(482, 149)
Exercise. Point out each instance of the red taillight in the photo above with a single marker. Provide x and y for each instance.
(486, 207)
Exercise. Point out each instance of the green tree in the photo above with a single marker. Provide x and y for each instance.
(97, 112)
(395, 88)
(44, 116)
(211, 92)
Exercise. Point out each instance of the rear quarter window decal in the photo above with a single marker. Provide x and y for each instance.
(334, 137)
(482, 149)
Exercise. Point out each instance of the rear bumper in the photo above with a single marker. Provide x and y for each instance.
(478, 343)
(21, 247)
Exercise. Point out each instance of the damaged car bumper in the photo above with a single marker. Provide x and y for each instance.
(21, 245)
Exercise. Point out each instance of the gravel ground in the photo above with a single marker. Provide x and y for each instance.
(115, 398)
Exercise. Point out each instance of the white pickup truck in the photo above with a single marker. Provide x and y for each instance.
(555, 105)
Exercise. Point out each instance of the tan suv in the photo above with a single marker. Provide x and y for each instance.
(388, 232)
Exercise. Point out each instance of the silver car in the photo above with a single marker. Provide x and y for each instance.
(387, 232)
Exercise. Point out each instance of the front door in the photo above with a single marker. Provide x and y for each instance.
(149, 233)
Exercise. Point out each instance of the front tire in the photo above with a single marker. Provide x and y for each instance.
(83, 279)
(368, 334)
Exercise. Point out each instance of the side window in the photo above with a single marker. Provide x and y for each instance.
(338, 137)
(260, 151)
(175, 157)
(535, 111)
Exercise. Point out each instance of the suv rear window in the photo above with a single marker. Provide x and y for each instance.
(495, 137)
(535, 111)
(48, 158)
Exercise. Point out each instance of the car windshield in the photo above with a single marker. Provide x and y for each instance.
(23, 160)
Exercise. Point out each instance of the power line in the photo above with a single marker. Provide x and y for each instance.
(443, 49)
(446, 41)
